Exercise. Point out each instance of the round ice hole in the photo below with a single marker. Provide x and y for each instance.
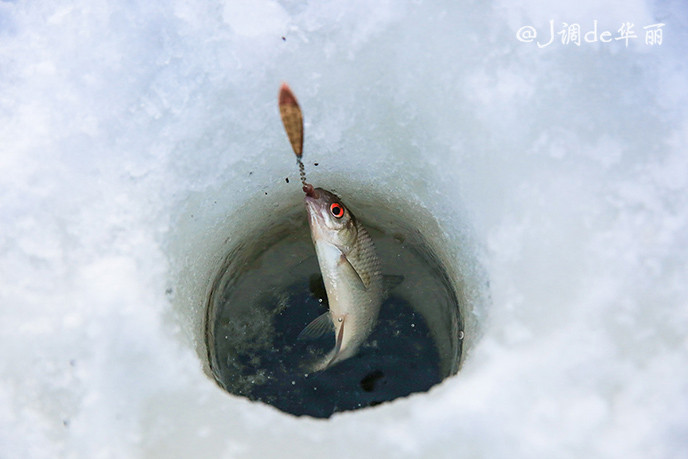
(269, 288)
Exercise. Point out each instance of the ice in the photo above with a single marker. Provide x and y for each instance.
(138, 136)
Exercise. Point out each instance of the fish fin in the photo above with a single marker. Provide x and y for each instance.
(318, 327)
(345, 261)
(333, 356)
(338, 344)
(363, 258)
(390, 281)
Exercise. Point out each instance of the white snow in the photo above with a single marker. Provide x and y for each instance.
(137, 136)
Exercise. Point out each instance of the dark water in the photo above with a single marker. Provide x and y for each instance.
(269, 292)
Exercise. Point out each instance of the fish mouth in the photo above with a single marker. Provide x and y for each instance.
(309, 190)
(312, 194)
(312, 199)
(315, 217)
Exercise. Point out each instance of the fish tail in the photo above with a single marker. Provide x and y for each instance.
(324, 363)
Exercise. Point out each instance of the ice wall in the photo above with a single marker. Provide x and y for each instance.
(134, 131)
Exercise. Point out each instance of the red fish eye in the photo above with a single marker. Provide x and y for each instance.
(337, 210)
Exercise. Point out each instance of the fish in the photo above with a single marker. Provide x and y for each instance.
(351, 271)
(348, 262)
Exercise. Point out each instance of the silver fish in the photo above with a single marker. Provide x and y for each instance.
(351, 272)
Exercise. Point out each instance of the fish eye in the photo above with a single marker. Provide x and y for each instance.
(337, 210)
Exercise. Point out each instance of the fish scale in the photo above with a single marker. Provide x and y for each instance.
(364, 253)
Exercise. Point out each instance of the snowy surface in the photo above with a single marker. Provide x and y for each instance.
(134, 134)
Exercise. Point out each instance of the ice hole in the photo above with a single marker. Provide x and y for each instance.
(266, 287)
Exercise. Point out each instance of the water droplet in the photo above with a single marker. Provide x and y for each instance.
(339, 319)
(293, 383)
(461, 334)
(413, 325)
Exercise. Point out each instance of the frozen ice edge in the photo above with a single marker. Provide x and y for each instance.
(116, 118)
